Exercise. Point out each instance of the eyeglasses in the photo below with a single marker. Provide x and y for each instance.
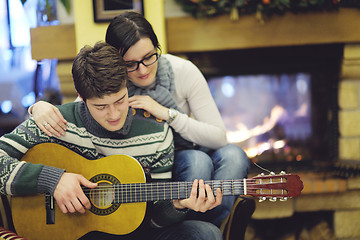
(134, 65)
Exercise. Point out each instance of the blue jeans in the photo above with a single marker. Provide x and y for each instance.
(228, 162)
(186, 230)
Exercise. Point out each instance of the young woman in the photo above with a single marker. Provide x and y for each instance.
(171, 89)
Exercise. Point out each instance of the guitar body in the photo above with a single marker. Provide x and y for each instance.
(29, 212)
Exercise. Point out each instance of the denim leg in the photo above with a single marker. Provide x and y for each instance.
(228, 162)
(186, 230)
(192, 164)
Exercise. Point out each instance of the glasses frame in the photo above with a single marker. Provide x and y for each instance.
(142, 61)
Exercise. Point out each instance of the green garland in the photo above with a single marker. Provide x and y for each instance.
(210, 8)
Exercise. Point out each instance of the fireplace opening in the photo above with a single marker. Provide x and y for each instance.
(279, 104)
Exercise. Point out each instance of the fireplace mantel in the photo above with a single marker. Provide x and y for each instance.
(186, 34)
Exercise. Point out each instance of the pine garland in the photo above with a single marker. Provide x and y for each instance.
(262, 8)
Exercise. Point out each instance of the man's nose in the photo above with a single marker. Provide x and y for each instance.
(113, 112)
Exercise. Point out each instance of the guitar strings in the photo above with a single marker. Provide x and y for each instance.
(147, 187)
(175, 184)
(141, 192)
(225, 183)
(235, 187)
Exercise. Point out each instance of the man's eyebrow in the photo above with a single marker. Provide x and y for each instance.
(101, 105)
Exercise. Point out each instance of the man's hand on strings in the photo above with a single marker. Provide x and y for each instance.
(201, 198)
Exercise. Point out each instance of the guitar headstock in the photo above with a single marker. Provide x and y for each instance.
(275, 186)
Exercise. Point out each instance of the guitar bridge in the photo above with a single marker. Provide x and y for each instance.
(50, 208)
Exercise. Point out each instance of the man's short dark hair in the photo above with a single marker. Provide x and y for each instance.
(98, 71)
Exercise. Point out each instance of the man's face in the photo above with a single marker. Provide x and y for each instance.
(111, 110)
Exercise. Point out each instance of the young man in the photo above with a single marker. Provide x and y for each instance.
(102, 124)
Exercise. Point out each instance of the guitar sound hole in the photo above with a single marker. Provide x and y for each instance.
(102, 196)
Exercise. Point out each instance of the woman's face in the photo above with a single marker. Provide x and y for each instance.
(144, 75)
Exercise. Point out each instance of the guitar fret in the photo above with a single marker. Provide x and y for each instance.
(124, 194)
(151, 193)
(222, 186)
(232, 187)
(166, 189)
(227, 187)
(178, 192)
(187, 190)
(116, 194)
(216, 185)
(144, 195)
(170, 191)
(148, 192)
(211, 184)
(133, 192)
(139, 194)
(127, 193)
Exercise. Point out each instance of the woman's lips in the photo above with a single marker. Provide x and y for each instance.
(144, 76)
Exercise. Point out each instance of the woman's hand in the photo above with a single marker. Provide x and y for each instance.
(147, 103)
(69, 195)
(48, 118)
(201, 201)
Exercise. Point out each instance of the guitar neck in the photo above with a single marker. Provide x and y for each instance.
(144, 192)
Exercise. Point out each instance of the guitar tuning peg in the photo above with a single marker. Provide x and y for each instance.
(283, 199)
(262, 174)
(273, 199)
(282, 172)
(272, 173)
(261, 199)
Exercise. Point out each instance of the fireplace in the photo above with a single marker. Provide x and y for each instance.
(279, 104)
(266, 48)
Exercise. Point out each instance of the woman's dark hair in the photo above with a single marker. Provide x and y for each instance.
(98, 71)
(127, 29)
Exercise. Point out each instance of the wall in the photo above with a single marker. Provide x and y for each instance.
(89, 32)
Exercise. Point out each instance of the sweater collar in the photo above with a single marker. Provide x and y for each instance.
(93, 127)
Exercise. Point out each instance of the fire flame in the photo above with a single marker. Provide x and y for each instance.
(243, 133)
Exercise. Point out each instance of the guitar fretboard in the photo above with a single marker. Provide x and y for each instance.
(144, 192)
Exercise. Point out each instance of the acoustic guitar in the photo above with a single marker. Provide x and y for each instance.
(119, 201)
